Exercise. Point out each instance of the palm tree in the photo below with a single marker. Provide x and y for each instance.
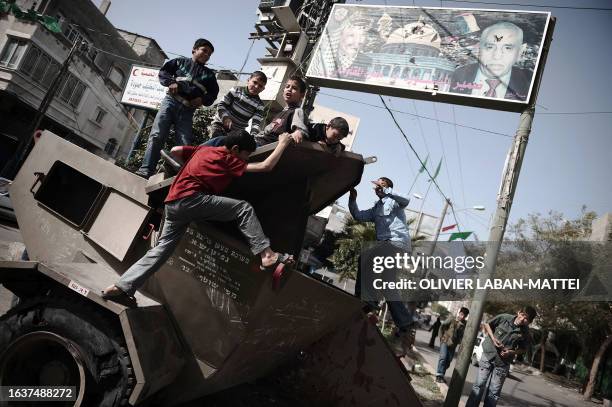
(349, 245)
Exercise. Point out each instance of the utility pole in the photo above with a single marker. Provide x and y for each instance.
(13, 165)
(496, 235)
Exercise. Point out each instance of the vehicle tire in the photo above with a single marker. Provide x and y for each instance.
(50, 341)
(474, 360)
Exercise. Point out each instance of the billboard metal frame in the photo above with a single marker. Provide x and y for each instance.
(435, 95)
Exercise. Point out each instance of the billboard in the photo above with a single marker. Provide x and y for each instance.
(485, 58)
(143, 89)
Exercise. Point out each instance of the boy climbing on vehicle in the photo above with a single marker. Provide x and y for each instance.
(195, 195)
(291, 119)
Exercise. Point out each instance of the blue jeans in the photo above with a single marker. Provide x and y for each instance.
(402, 316)
(179, 214)
(445, 359)
(216, 141)
(498, 375)
(171, 111)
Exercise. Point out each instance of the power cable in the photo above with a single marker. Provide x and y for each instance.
(412, 147)
(450, 184)
(459, 155)
(530, 5)
(416, 115)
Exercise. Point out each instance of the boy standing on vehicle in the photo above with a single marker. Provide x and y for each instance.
(190, 85)
(239, 105)
(507, 337)
(195, 195)
(291, 119)
(451, 334)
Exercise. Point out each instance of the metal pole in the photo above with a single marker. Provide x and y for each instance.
(138, 135)
(439, 227)
(13, 165)
(420, 217)
(496, 235)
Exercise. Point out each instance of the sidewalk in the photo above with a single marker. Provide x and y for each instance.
(525, 387)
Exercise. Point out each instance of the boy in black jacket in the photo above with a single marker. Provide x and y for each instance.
(190, 85)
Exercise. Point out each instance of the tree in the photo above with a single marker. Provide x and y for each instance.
(202, 118)
(348, 248)
(559, 238)
(349, 245)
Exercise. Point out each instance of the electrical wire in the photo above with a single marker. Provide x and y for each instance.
(459, 155)
(412, 147)
(131, 121)
(530, 5)
(416, 115)
(450, 184)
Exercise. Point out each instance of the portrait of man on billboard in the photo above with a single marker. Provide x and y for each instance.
(341, 54)
(495, 75)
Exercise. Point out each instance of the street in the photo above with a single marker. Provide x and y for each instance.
(519, 389)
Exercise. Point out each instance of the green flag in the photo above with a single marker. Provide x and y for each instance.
(459, 235)
(424, 164)
(437, 170)
(50, 23)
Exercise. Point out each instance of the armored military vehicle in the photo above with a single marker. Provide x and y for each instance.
(209, 320)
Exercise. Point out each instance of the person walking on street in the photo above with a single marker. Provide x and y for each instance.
(451, 334)
(507, 337)
(434, 332)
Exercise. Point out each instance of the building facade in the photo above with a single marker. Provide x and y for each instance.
(86, 108)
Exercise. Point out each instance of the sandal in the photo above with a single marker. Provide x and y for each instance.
(278, 268)
(119, 296)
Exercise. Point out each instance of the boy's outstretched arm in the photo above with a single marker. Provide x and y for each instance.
(269, 163)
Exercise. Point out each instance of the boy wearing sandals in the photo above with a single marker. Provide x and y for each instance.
(195, 195)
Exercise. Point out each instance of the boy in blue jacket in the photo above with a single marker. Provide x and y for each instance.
(190, 85)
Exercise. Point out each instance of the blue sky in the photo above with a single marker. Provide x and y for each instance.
(568, 161)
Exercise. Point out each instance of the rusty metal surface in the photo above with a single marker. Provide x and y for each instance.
(354, 367)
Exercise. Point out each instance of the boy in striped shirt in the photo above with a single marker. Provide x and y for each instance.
(238, 106)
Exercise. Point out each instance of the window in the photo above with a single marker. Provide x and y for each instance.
(110, 146)
(72, 34)
(41, 67)
(100, 116)
(68, 88)
(116, 76)
(13, 50)
(50, 74)
(30, 60)
(77, 95)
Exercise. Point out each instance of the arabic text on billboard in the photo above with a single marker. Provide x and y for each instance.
(477, 54)
(143, 88)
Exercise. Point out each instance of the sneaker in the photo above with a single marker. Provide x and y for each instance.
(373, 318)
(407, 338)
(440, 379)
(142, 174)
